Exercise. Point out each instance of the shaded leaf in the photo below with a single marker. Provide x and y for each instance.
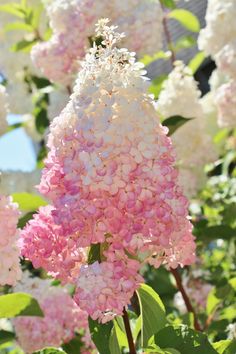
(174, 123)
(100, 334)
(23, 221)
(74, 346)
(152, 312)
(19, 304)
(184, 339)
(6, 336)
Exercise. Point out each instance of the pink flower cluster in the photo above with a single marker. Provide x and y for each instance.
(59, 57)
(10, 270)
(103, 289)
(111, 179)
(62, 317)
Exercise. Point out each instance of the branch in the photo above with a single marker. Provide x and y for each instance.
(187, 302)
(132, 349)
(168, 36)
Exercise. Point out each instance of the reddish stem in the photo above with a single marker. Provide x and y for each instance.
(168, 36)
(187, 302)
(132, 349)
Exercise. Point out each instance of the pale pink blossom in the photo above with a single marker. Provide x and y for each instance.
(10, 270)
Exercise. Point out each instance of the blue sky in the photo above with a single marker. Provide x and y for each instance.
(16, 150)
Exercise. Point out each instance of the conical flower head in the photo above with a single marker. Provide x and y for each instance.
(110, 166)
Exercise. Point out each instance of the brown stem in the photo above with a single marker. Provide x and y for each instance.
(69, 90)
(186, 298)
(132, 349)
(168, 36)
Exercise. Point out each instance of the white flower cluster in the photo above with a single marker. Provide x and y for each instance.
(218, 40)
(3, 109)
(18, 181)
(220, 26)
(59, 57)
(181, 96)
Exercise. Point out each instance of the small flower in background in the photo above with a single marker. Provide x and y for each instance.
(9, 251)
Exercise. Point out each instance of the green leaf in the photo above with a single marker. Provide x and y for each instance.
(41, 120)
(157, 85)
(74, 346)
(184, 339)
(94, 253)
(24, 46)
(23, 221)
(184, 42)
(148, 59)
(19, 304)
(114, 342)
(186, 18)
(231, 348)
(212, 301)
(215, 232)
(168, 3)
(152, 312)
(40, 82)
(196, 62)
(28, 201)
(221, 346)
(100, 334)
(6, 336)
(13, 9)
(50, 351)
(16, 26)
(174, 123)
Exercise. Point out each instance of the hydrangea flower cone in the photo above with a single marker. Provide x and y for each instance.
(110, 177)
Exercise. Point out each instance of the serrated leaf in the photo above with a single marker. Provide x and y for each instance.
(152, 311)
(28, 201)
(174, 123)
(100, 334)
(19, 304)
(184, 339)
(50, 351)
(6, 336)
(196, 62)
(186, 18)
